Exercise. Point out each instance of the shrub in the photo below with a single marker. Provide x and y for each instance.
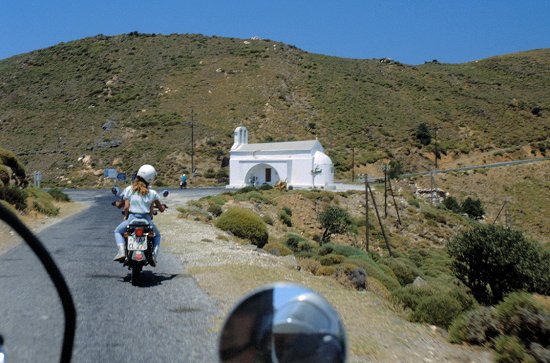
(473, 208)
(265, 187)
(331, 259)
(509, 349)
(422, 134)
(437, 303)
(494, 261)
(58, 195)
(214, 209)
(452, 204)
(404, 269)
(42, 202)
(287, 210)
(253, 195)
(298, 243)
(311, 265)
(414, 203)
(374, 270)
(522, 316)
(334, 220)
(245, 224)
(395, 169)
(277, 249)
(350, 274)
(267, 219)
(14, 196)
(285, 218)
(343, 250)
(478, 326)
(436, 309)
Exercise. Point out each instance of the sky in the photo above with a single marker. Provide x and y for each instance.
(409, 31)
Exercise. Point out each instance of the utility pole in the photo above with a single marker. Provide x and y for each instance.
(385, 191)
(367, 212)
(435, 137)
(352, 164)
(192, 145)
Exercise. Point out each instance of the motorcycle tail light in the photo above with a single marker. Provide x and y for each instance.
(139, 232)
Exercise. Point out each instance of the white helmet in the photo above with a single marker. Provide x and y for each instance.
(147, 173)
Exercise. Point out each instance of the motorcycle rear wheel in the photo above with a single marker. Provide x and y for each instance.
(136, 270)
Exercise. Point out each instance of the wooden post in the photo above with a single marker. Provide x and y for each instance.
(385, 191)
(352, 164)
(380, 221)
(394, 203)
(366, 213)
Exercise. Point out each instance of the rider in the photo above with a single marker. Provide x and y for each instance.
(138, 203)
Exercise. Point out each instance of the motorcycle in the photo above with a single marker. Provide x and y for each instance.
(138, 238)
(278, 323)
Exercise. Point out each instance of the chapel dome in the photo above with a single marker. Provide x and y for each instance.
(320, 158)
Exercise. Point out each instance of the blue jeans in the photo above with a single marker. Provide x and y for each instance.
(121, 228)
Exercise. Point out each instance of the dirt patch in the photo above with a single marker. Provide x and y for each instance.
(37, 222)
(227, 269)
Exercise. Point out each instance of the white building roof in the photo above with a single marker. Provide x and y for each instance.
(278, 146)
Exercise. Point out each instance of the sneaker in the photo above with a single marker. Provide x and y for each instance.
(121, 254)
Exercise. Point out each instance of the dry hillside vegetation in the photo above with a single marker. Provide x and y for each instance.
(119, 101)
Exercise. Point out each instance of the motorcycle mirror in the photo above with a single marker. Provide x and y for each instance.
(283, 323)
(2, 353)
(165, 193)
(115, 190)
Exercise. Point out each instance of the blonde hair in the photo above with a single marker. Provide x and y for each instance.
(139, 185)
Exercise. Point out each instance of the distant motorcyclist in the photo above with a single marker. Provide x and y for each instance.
(138, 204)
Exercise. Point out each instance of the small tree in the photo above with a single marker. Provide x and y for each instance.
(423, 134)
(334, 220)
(493, 261)
(473, 208)
(395, 169)
(452, 204)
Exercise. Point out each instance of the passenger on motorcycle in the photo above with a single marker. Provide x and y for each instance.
(139, 201)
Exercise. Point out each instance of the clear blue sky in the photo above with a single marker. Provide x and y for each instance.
(408, 31)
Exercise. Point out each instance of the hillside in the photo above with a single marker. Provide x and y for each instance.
(75, 108)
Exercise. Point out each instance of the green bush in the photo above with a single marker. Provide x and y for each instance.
(334, 220)
(436, 309)
(509, 349)
(438, 302)
(214, 209)
(478, 326)
(343, 250)
(267, 219)
(494, 261)
(413, 202)
(14, 196)
(404, 269)
(522, 316)
(375, 271)
(298, 244)
(473, 208)
(423, 134)
(452, 204)
(265, 187)
(277, 249)
(332, 259)
(245, 224)
(58, 195)
(42, 202)
(253, 195)
(287, 210)
(285, 218)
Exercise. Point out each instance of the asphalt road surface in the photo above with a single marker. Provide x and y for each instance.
(165, 319)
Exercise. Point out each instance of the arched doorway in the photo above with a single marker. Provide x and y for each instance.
(262, 174)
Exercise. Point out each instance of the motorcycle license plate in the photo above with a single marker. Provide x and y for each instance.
(137, 243)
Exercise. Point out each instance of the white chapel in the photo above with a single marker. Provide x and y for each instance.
(301, 164)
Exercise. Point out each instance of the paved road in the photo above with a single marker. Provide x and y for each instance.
(166, 319)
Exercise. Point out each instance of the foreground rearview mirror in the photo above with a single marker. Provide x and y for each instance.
(115, 190)
(165, 193)
(283, 323)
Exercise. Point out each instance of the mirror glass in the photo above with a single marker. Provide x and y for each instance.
(283, 323)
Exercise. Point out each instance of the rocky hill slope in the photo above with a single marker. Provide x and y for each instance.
(118, 101)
